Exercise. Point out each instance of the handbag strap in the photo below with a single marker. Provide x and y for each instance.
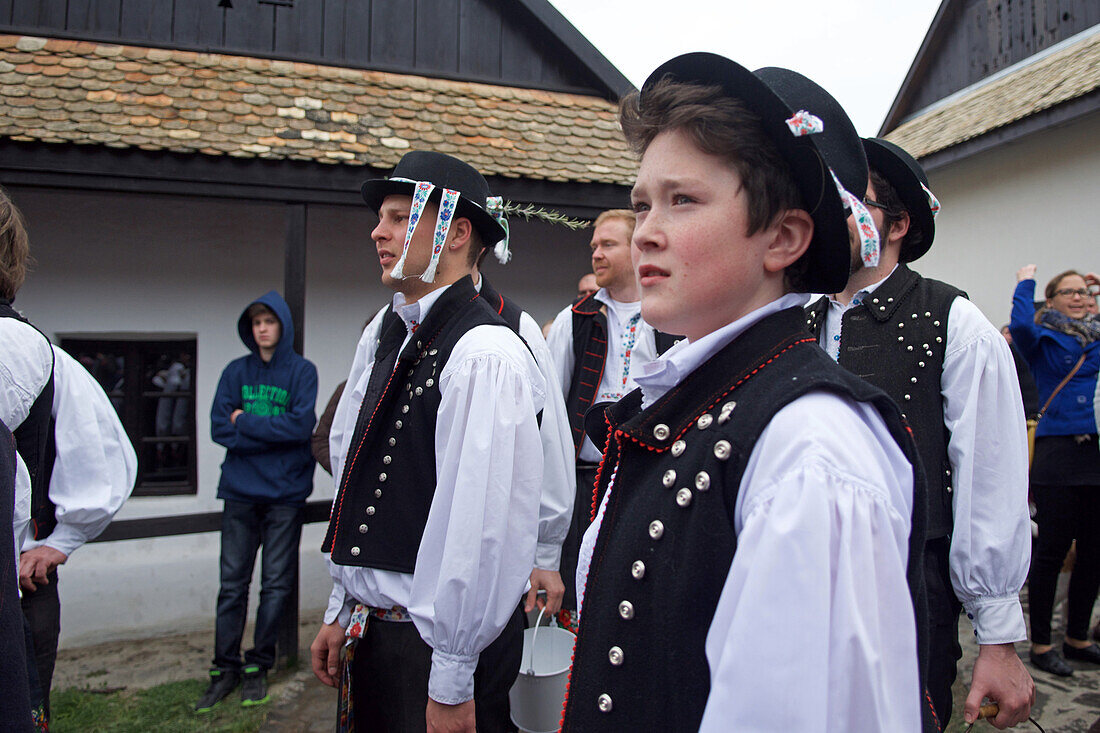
(1060, 385)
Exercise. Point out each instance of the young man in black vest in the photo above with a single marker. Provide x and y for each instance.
(436, 445)
(757, 499)
(952, 375)
(598, 344)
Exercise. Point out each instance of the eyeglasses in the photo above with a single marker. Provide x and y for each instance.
(876, 204)
(1070, 292)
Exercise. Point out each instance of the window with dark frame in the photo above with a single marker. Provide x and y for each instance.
(150, 380)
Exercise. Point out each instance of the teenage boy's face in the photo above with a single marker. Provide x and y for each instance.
(697, 268)
(611, 255)
(266, 329)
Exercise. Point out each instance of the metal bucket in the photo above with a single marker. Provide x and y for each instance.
(538, 694)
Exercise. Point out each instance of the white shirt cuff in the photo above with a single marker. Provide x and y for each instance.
(340, 605)
(64, 538)
(451, 680)
(997, 619)
(547, 556)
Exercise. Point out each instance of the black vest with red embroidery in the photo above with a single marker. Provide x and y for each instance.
(589, 358)
(896, 340)
(667, 539)
(389, 479)
(34, 442)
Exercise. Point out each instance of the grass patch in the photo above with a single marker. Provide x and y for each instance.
(167, 708)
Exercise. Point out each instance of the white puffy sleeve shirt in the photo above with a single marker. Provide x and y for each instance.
(559, 477)
(25, 364)
(479, 542)
(95, 467)
(814, 629)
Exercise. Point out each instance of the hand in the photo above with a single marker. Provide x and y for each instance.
(549, 581)
(1027, 272)
(1000, 675)
(324, 654)
(35, 564)
(1092, 279)
(450, 718)
(233, 416)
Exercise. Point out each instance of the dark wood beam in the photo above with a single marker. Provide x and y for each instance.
(294, 271)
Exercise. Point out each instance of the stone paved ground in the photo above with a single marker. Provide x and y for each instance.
(301, 704)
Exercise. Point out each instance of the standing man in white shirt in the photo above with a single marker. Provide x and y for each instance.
(758, 499)
(598, 344)
(951, 372)
(55, 408)
(435, 443)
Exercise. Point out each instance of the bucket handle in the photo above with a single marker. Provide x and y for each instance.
(534, 634)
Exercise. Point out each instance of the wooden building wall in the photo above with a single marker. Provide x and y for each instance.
(498, 41)
(982, 37)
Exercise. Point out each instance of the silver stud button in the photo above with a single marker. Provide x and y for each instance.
(404, 409)
(669, 478)
(370, 511)
(907, 398)
(378, 493)
(626, 610)
(702, 481)
(656, 529)
(419, 391)
(382, 477)
(399, 424)
(604, 702)
(637, 569)
(661, 432)
(392, 442)
(433, 352)
(727, 410)
(362, 529)
(355, 552)
(615, 656)
(678, 448)
(722, 450)
(913, 380)
(387, 460)
(683, 497)
(704, 421)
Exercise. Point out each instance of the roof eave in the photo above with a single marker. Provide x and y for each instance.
(616, 84)
(932, 39)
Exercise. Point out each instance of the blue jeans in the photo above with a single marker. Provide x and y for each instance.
(246, 526)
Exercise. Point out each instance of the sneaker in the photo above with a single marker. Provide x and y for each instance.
(254, 687)
(222, 682)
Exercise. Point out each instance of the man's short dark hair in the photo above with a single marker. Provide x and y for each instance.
(476, 255)
(258, 309)
(893, 209)
(723, 126)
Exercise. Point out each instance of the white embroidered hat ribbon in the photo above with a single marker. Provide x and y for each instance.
(422, 191)
(933, 202)
(865, 225)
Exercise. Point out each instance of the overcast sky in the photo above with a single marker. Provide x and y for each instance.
(859, 50)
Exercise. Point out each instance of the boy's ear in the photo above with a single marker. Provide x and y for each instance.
(792, 232)
(461, 228)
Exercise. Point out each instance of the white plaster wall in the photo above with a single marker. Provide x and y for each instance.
(151, 263)
(1036, 200)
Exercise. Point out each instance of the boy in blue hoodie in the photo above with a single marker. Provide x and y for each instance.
(263, 415)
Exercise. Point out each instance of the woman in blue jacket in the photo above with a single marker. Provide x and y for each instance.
(1065, 473)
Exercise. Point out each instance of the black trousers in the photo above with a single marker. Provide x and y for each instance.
(42, 607)
(390, 678)
(944, 650)
(1065, 513)
(582, 517)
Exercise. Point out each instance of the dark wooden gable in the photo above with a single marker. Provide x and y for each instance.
(970, 40)
(524, 43)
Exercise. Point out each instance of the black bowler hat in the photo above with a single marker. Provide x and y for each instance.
(443, 171)
(785, 102)
(908, 179)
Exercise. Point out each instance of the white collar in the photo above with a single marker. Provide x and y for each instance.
(665, 372)
(619, 308)
(864, 291)
(413, 314)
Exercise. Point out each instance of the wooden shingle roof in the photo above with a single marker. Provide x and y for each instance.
(60, 91)
(1035, 85)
